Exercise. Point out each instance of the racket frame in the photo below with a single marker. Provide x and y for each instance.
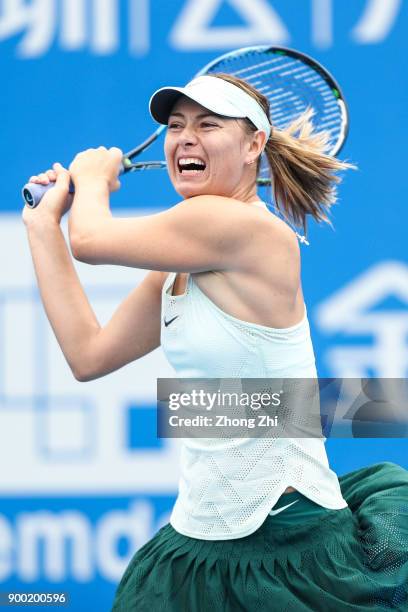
(32, 199)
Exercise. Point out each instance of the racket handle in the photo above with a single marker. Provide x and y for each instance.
(34, 192)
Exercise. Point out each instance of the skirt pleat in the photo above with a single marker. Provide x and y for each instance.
(355, 558)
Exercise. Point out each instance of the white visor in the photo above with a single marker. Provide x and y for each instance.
(215, 94)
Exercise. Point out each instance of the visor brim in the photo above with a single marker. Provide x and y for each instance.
(164, 99)
(162, 102)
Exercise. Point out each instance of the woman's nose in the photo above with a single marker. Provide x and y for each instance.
(188, 137)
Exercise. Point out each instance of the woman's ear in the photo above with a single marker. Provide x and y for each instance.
(257, 146)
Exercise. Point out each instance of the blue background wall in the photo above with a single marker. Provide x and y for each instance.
(78, 74)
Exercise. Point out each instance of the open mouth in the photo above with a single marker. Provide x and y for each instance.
(189, 166)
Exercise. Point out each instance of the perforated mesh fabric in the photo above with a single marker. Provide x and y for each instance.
(228, 486)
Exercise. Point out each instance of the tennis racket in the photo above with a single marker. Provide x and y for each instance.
(292, 81)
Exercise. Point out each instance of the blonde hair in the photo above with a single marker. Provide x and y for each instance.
(302, 172)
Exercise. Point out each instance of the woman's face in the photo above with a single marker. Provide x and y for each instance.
(208, 154)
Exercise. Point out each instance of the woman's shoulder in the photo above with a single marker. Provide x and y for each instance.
(280, 231)
(244, 228)
(272, 223)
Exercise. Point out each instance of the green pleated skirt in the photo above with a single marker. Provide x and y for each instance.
(304, 559)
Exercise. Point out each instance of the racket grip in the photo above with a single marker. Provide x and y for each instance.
(34, 192)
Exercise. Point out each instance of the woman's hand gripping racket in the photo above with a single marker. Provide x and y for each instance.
(292, 81)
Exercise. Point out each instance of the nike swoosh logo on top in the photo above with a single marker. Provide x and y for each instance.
(167, 323)
(273, 512)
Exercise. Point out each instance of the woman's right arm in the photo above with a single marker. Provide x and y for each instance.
(90, 350)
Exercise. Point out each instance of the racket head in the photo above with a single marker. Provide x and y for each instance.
(293, 82)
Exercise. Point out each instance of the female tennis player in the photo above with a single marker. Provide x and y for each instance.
(259, 524)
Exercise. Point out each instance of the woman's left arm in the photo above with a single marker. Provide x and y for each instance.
(199, 234)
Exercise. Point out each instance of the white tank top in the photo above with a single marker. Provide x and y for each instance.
(228, 486)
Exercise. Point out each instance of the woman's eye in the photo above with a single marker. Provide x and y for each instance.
(174, 126)
(206, 124)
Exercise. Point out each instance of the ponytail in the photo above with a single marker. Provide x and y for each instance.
(303, 174)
